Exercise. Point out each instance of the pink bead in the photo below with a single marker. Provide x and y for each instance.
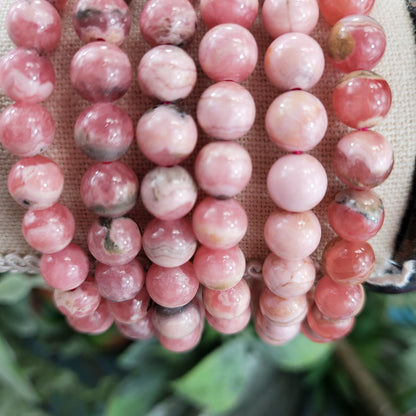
(288, 278)
(114, 242)
(219, 269)
(166, 73)
(166, 134)
(109, 189)
(100, 71)
(272, 333)
(49, 230)
(226, 110)
(219, 224)
(241, 12)
(223, 169)
(284, 16)
(292, 235)
(356, 215)
(27, 76)
(294, 60)
(35, 182)
(66, 269)
(34, 24)
(363, 159)
(107, 20)
(183, 344)
(26, 129)
(232, 325)
(332, 11)
(297, 182)
(311, 335)
(168, 193)
(58, 4)
(296, 121)
(167, 22)
(141, 329)
(362, 99)
(228, 52)
(169, 243)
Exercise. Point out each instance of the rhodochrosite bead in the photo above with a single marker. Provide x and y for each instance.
(273, 333)
(114, 241)
(226, 110)
(296, 121)
(333, 11)
(166, 134)
(34, 24)
(141, 329)
(104, 132)
(26, 129)
(182, 344)
(100, 71)
(49, 230)
(167, 22)
(231, 325)
(283, 16)
(356, 215)
(228, 52)
(107, 20)
(109, 189)
(363, 159)
(66, 269)
(35, 182)
(27, 76)
(294, 60)
(166, 73)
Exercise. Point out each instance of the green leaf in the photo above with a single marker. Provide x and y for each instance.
(16, 286)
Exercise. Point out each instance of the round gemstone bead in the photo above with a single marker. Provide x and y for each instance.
(232, 325)
(332, 11)
(356, 215)
(219, 224)
(284, 16)
(109, 189)
(34, 24)
(223, 169)
(182, 344)
(363, 159)
(104, 132)
(362, 99)
(294, 60)
(226, 110)
(228, 52)
(311, 335)
(49, 230)
(166, 134)
(166, 73)
(27, 76)
(168, 193)
(296, 121)
(107, 20)
(114, 242)
(26, 129)
(273, 333)
(100, 71)
(35, 182)
(141, 329)
(297, 182)
(292, 235)
(167, 22)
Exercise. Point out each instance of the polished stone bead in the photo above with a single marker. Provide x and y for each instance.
(332, 11)
(141, 329)
(229, 326)
(273, 333)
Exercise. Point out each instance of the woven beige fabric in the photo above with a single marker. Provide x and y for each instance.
(398, 67)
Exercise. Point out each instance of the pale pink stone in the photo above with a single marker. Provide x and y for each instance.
(223, 169)
(66, 269)
(219, 224)
(167, 22)
(169, 243)
(168, 193)
(296, 121)
(183, 344)
(297, 182)
(232, 325)
(131, 310)
(272, 333)
(284, 16)
(292, 235)
(141, 329)
(294, 60)
(114, 241)
(35, 182)
(166, 73)
(34, 24)
(241, 12)
(332, 11)
(27, 76)
(228, 52)
(166, 134)
(49, 230)
(226, 110)
(26, 129)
